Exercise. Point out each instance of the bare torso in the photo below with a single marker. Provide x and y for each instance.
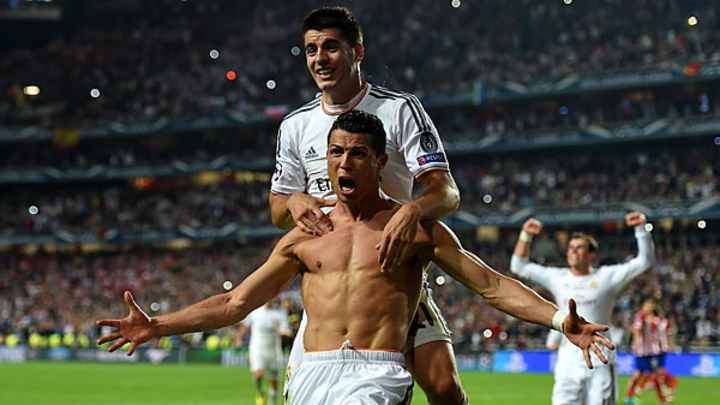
(345, 294)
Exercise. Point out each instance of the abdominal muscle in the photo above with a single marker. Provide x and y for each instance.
(365, 308)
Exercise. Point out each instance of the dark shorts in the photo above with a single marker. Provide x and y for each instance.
(660, 360)
(646, 364)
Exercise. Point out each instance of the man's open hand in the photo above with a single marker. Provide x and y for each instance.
(398, 235)
(586, 335)
(136, 328)
(308, 216)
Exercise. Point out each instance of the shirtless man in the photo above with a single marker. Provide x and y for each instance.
(358, 314)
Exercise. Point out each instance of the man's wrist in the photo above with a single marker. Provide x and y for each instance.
(414, 209)
(558, 320)
(526, 236)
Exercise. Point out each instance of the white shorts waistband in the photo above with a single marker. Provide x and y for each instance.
(352, 355)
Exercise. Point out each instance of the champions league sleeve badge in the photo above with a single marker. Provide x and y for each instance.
(428, 142)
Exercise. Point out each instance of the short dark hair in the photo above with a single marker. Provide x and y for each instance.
(593, 244)
(360, 122)
(334, 17)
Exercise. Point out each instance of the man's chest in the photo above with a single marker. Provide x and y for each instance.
(345, 249)
(585, 290)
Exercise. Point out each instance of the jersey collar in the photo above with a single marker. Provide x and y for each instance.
(337, 109)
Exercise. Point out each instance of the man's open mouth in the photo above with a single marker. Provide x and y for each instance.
(347, 184)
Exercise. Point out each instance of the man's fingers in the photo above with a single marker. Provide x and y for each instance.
(133, 346)
(108, 338)
(403, 251)
(327, 203)
(318, 222)
(573, 308)
(600, 355)
(586, 355)
(600, 328)
(303, 227)
(115, 323)
(384, 245)
(391, 255)
(130, 300)
(604, 341)
(118, 344)
(322, 223)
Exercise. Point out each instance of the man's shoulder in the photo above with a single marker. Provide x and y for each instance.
(383, 97)
(301, 113)
(291, 240)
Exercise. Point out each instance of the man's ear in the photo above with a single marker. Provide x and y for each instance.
(359, 52)
(382, 160)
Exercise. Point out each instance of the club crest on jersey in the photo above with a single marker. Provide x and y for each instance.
(428, 143)
(431, 158)
(311, 154)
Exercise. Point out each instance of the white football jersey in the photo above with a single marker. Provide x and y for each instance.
(595, 294)
(266, 326)
(413, 145)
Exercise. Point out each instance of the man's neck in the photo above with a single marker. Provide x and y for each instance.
(362, 210)
(339, 97)
(580, 271)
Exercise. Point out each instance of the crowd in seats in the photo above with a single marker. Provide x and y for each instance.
(669, 107)
(127, 209)
(60, 293)
(154, 61)
(588, 113)
(501, 184)
(571, 178)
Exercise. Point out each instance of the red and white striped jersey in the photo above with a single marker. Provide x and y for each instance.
(646, 326)
(664, 332)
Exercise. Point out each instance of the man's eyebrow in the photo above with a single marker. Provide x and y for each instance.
(330, 41)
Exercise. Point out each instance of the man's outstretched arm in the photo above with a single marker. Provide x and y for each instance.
(212, 313)
(513, 297)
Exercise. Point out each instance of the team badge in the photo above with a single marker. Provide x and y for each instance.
(428, 142)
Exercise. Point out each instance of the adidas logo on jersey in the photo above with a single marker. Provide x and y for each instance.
(311, 154)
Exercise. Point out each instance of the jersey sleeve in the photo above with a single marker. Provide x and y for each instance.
(289, 176)
(638, 321)
(418, 139)
(543, 275)
(619, 275)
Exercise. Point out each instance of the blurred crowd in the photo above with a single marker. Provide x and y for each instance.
(126, 209)
(153, 60)
(59, 294)
(590, 113)
(669, 107)
(501, 184)
(593, 178)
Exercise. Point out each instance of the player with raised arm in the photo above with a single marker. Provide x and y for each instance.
(267, 325)
(417, 176)
(358, 316)
(595, 290)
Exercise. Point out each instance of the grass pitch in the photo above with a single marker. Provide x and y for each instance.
(40, 383)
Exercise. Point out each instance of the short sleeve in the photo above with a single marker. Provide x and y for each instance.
(289, 176)
(418, 139)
